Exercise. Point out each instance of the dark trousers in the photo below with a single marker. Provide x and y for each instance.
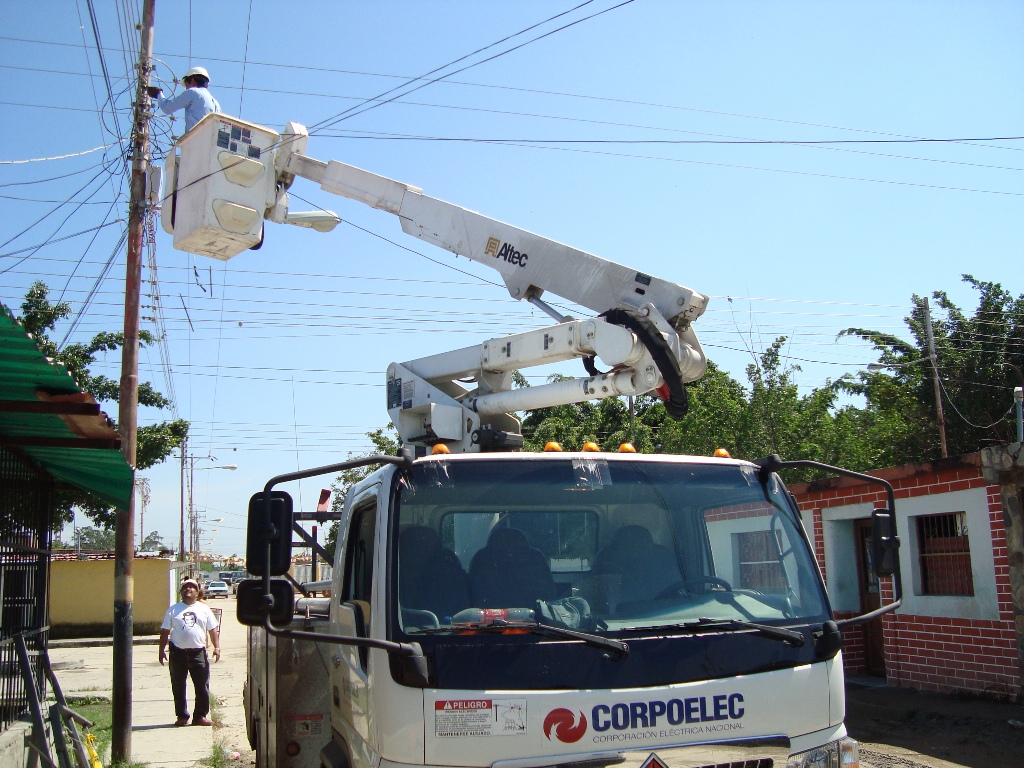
(185, 663)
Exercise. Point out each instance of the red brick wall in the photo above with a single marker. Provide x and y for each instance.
(950, 655)
(853, 646)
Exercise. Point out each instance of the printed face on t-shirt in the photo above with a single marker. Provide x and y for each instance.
(188, 618)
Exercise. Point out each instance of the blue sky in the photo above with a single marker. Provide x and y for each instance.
(283, 363)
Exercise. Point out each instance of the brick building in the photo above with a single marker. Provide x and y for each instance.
(955, 631)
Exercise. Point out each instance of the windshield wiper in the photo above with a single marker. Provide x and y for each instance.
(500, 625)
(789, 636)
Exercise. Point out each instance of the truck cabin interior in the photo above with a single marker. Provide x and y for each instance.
(599, 545)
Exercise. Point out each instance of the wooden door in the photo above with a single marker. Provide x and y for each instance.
(870, 599)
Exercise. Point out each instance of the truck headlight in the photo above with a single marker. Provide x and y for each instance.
(844, 753)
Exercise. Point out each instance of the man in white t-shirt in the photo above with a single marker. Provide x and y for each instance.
(189, 625)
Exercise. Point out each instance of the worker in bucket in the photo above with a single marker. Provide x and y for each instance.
(196, 99)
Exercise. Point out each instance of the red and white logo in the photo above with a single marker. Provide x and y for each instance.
(564, 725)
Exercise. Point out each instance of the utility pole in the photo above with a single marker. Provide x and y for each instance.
(939, 415)
(127, 414)
(142, 485)
(181, 539)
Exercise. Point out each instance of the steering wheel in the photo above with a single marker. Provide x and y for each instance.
(673, 590)
(713, 581)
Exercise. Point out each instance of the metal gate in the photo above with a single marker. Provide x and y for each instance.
(26, 512)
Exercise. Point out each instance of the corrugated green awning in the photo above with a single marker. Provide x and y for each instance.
(46, 416)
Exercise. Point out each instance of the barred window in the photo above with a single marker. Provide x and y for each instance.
(759, 562)
(945, 554)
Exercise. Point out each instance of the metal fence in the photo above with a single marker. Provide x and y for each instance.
(26, 511)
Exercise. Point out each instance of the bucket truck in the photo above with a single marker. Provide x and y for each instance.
(495, 607)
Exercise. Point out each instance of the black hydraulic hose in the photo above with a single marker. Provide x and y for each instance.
(677, 403)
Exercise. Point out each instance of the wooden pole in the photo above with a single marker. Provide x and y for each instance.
(940, 417)
(128, 406)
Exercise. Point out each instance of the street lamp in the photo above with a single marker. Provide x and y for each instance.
(189, 461)
(878, 367)
(940, 416)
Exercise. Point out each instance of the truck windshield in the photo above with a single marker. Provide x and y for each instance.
(598, 545)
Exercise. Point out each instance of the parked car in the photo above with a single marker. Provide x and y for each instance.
(217, 589)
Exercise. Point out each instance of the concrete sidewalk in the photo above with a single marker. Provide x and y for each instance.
(86, 670)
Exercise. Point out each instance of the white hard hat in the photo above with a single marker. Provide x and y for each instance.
(196, 71)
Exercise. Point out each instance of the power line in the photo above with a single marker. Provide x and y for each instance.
(347, 113)
(822, 144)
(967, 421)
(88, 299)
(52, 178)
(542, 92)
(733, 142)
(86, 253)
(56, 240)
(52, 211)
(774, 170)
(245, 57)
(63, 202)
(818, 144)
(103, 67)
(60, 107)
(56, 157)
(49, 239)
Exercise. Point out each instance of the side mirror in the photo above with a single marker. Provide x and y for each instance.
(253, 607)
(279, 534)
(885, 543)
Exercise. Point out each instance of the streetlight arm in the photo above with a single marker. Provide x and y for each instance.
(876, 367)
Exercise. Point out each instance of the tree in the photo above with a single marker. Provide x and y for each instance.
(153, 543)
(155, 441)
(976, 359)
(95, 538)
(385, 442)
(768, 417)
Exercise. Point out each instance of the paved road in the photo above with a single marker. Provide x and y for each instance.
(87, 671)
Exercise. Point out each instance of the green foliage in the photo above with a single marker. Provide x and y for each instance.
(155, 442)
(219, 752)
(99, 710)
(976, 359)
(385, 443)
(153, 543)
(95, 538)
(768, 417)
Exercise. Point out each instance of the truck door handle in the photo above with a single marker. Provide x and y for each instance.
(336, 660)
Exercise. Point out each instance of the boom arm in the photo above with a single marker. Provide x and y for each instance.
(529, 264)
(643, 332)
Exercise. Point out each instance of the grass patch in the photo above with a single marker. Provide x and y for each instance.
(100, 711)
(218, 756)
(215, 712)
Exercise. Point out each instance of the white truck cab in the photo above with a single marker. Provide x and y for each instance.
(580, 609)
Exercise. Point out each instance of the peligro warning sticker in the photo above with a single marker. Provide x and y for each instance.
(479, 717)
(303, 725)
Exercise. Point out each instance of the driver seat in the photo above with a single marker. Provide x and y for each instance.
(509, 573)
(430, 577)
